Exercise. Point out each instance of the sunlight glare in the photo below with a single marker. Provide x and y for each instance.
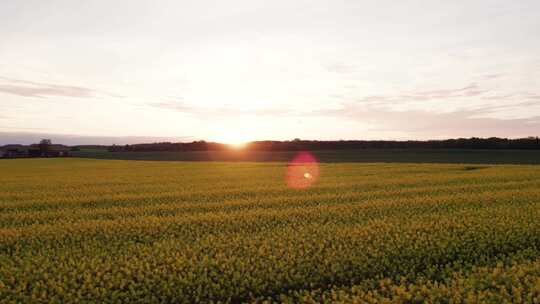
(234, 140)
(302, 171)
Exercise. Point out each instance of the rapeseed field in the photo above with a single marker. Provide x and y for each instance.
(112, 231)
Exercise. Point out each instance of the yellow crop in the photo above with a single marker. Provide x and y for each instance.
(74, 230)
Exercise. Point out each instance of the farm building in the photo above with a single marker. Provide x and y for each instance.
(13, 151)
(51, 151)
(20, 151)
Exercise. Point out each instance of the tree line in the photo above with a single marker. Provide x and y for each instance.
(298, 144)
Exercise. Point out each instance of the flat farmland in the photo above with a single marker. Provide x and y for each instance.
(118, 231)
(469, 156)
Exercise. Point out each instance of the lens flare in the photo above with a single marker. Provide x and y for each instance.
(302, 171)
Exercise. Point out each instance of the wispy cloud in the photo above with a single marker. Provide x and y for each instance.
(488, 109)
(37, 89)
(467, 91)
(533, 96)
(424, 124)
(470, 90)
(29, 136)
(493, 76)
(385, 113)
(221, 111)
(341, 68)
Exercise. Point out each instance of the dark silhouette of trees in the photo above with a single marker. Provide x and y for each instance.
(44, 146)
(298, 144)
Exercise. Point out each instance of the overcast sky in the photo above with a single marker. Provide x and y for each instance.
(251, 69)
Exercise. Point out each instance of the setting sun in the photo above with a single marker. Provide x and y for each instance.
(234, 140)
(237, 145)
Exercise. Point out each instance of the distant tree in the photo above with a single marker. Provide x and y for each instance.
(44, 146)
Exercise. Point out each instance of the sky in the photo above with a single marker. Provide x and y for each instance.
(122, 71)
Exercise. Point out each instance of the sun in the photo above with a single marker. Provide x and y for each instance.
(236, 141)
(237, 145)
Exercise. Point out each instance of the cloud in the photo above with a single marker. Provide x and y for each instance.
(483, 101)
(500, 97)
(487, 109)
(471, 90)
(29, 137)
(42, 90)
(341, 68)
(222, 111)
(425, 124)
(467, 91)
(380, 113)
(493, 76)
(176, 106)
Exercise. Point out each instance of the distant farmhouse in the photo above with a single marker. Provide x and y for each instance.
(13, 151)
(52, 151)
(43, 149)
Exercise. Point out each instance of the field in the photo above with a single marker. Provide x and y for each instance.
(84, 230)
(476, 156)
